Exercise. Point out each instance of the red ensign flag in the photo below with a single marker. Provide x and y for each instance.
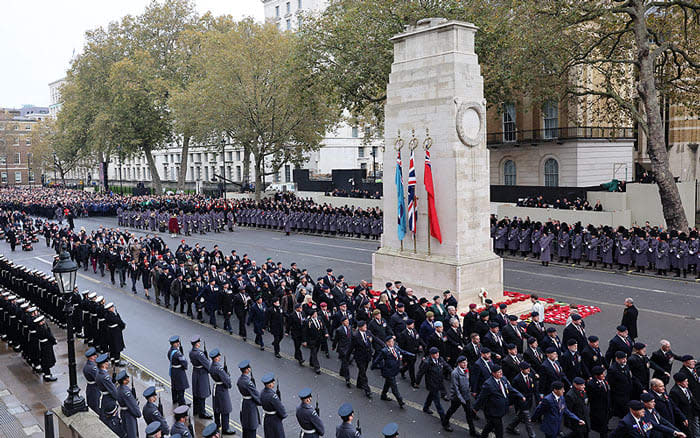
(432, 213)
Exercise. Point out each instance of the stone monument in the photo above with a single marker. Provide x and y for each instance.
(436, 85)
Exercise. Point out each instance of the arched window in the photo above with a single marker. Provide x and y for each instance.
(551, 172)
(509, 173)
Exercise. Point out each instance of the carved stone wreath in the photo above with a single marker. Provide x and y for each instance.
(470, 122)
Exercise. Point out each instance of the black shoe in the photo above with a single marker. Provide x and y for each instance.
(368, 395)
(512, 431)
(415, 385)
(262, 348)
(278, 356)
(49, 379)
(228, 432)
(317, 371)
(428, 411)
(348, 384)
(447, 427)
(473, 433)
(386, 398)
(401, 404)
(328, 356)
(205, 416)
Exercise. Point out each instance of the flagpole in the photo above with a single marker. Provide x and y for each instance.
(398, 144)
(412, 146)
(427, 143)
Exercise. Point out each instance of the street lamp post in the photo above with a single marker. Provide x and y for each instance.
(65, 272)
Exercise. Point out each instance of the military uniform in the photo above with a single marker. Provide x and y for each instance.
(222, 384)
(151, 413)
(128, 407)
(309, 421)
(250, 417)
(273, 409)
(200, 379)
(178, 372)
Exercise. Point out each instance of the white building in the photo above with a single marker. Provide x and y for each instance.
(345, 147)
(55, 96)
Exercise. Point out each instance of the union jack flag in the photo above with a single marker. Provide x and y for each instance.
(412, 207)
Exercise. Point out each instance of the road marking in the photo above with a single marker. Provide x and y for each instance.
(597, 302)
(606, 283)
(271, 249)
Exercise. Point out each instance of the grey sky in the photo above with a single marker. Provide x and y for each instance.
(37, 38)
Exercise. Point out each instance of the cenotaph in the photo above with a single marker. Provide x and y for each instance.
(436, 89)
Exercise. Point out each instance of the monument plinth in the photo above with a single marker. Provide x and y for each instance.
(436, 83)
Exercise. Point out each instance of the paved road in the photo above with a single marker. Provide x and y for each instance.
(666, 310)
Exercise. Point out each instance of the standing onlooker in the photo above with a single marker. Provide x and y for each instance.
(537, 306)
(629, 318)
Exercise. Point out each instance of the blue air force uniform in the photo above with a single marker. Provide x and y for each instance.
(309, 421)
(129, 411)
(222, 399)
(273, 409)
(92, 394)
(201, 389)
(178, 372)
(250, 417)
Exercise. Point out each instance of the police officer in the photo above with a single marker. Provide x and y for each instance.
(200, 379)
(92, 394)
(178, 371)
(222, 399)
(128, 406)
(250, 416)
(309, 421)
(151, 414)
(181, 425)
(346, 429)
(273, 408)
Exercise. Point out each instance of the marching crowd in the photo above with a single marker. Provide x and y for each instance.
(640, 248)
(484, 360)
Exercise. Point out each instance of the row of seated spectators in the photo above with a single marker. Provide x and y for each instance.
(562, 204)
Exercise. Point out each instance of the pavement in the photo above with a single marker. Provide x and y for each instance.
(667, 310)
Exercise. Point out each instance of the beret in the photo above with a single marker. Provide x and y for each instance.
(512, 318)
(593, 339)
(575, 317)
(533, 314)
(422, 300)
(388, 338)
(646, 397)
(621, 328)
(510, 346)
(409, 321)
(472, 306)
(436, 297)
(636, 405)
(531, 340)
(323, 304)
(620, 354)
(551, 330)
(361, 323)
(503, 306)
(446, 292)
(557, 384)
(495, 368)
(388, 284)
(597, 370)
(400, 305)
(345, 410)
(433, 350)
(678, 377)
(550, 350)
(686, 357)
(524, 365)
(484, 314)
(485, 350)
(571, 341)
(461, 359)
(579, 381)
(639, 345)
